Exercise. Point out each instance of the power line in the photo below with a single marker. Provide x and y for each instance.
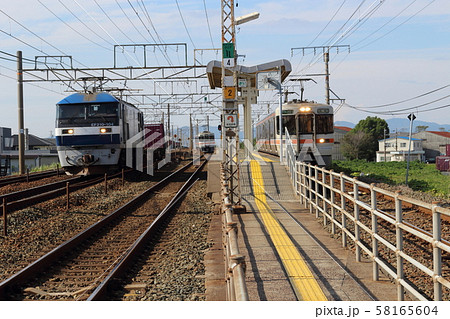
(73, 29)
(398, 113)
(134, 26)
(407, 100)
(209, 27)
(387, 33)
(112, 21)
(184, 23)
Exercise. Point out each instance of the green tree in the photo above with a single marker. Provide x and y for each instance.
(353, 144)
(363, 138)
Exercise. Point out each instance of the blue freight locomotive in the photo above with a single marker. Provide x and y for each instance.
(92, 130)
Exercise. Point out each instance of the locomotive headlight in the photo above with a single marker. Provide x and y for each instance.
(305, 109)
(322, 140)
(105, 130)
(68, 131)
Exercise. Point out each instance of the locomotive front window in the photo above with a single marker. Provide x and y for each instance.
(86, 114)
(71, 111)
(105, 109)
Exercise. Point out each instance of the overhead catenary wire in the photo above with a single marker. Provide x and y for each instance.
(72, 28)
(83, 23)
(209, 26)
(407, 100)
(398, 26)
(185, 26)
(395, 112)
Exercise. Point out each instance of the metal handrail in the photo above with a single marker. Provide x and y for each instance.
(311, 190)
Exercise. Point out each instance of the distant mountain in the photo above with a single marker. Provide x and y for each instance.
(402, 125)
(344, 123)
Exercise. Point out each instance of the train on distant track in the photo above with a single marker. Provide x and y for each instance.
(92, 130)
(311, 129)
(206, 142)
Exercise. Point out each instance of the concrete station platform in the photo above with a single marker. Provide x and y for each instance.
(287, 257)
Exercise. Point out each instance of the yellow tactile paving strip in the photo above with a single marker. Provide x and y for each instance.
(301, 277)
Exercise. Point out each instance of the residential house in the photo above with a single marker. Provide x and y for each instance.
(38, 151)
(395, 149)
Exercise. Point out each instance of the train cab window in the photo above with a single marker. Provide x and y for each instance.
(70, 111)
(104, 109)
(324, 124)
(305, 124)
(87, 114)
(288, 122)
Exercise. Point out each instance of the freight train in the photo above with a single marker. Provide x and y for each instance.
(311, 129)
(92, 130)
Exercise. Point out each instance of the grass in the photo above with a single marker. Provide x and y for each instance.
(422, 177)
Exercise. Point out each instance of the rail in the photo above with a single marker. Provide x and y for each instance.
(236, 286)
(45, 261)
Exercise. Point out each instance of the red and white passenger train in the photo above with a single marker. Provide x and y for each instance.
(311, 130)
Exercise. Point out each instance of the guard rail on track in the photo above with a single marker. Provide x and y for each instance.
(236, 286)
(333, 206)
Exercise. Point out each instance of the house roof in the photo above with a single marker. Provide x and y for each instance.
(444, 134)
(343, 128)
(400, 137)
(33, 140)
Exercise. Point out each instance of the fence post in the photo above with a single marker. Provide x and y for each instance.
(332, 198)
(302, 184)
(316, 189)
(309, 189)
(67, 196)
(437, 252)
(324, 196)
(344, 218)
(399, 242)
(5, 219)
(356, 215)
(373, 204)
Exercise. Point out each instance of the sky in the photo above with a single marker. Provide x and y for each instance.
(398, 62)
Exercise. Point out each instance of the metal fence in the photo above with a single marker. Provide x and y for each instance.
(387, 237)
(235, 261)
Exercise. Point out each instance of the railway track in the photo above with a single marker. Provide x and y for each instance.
(29, 177)
(18, 200)
(89, 260)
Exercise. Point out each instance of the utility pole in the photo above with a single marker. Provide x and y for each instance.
(326, 58)
(191, 135)
(168, 121)
(21, 137)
